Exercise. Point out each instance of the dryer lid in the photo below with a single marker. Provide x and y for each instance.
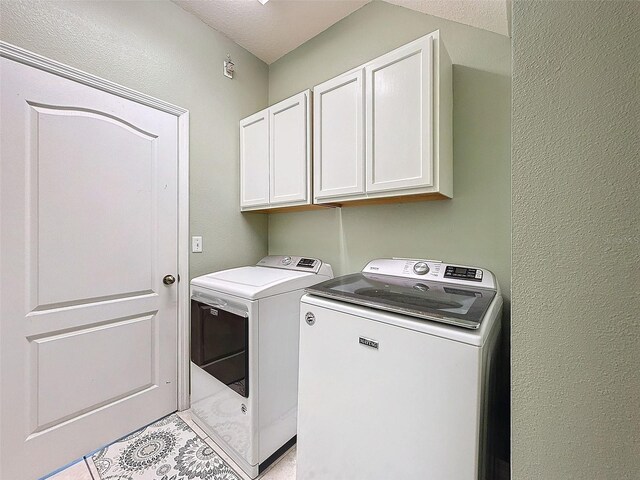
(255, 276)
(256, 282)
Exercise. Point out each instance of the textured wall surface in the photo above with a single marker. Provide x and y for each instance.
(576, 241)
(491, 15)
(159, 49)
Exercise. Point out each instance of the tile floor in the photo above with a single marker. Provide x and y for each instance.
(283, 469)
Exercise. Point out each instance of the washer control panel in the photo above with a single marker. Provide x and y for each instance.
(463, 273)
(432, 270)
(421, 268)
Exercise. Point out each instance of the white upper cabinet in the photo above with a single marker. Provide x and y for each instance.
(338, 136)
(399, 112)
(254, 160)
(397, 142)
(275, 156)
(290, 150)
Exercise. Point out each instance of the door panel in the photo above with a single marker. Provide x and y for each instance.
(254, 160)
(399, 118)
(339, 136)
(123, 160)
(89, 227)
(62, 396)
(289, 153)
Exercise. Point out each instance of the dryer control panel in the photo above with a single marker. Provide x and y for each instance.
(291, 262)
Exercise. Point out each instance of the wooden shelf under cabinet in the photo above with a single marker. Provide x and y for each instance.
(295, 208)
(423, 197)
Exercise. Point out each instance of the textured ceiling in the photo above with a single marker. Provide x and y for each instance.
(272, 30)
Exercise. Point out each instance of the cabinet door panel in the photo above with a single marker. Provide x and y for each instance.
(339, 136)
(399, 118)
(289, 150)
(254, 160)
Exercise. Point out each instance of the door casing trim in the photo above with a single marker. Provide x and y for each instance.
(26, 57)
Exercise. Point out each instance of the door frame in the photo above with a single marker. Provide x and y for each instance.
(31, 59)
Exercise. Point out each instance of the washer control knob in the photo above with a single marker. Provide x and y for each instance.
(420, 268)
(286, 261)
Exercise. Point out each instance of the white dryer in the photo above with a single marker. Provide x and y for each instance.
(244, 355)
(395, 371)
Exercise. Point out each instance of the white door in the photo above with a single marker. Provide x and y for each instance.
(290, 150)
(338, 127)
(399, 90)
(254, 160)
(88, 231)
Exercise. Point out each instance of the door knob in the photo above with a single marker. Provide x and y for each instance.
(169, 280)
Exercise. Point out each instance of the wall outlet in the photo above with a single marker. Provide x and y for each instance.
(196, 244)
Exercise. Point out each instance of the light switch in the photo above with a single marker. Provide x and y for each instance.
(196, 244)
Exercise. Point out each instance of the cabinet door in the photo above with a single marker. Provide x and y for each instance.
(254, 160)
(338, 127)
(290, 150)
(399, 120)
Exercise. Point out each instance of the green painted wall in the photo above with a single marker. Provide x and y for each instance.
(576, 240)
(159, 49)
(471, 228)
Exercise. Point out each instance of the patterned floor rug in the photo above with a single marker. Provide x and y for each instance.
(165, 450)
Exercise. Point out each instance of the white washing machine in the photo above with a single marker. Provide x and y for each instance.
(395, 372)
(244, 355)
